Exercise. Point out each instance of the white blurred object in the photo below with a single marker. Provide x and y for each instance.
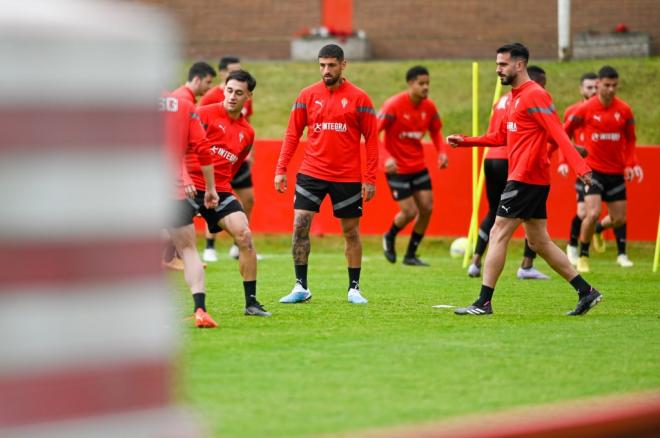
(458, 247)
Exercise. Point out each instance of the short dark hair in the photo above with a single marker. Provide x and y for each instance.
(415, 71)
(332, 51)
(607, 72)
(200, 70)
(588, 76)
(516, 50)
(243, 76)
(226, 60)
(535, 72)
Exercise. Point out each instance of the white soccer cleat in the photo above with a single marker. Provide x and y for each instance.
(474, 270)
(572, 254)
(355, 297)
(531, 274)
(209, 255)
(233, 252)
(298, 295)
(623, 261)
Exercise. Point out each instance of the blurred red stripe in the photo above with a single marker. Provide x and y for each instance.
(35, 130)
(62, 263)
(83, 392)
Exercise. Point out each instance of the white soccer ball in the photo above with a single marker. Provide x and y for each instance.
(458, 247)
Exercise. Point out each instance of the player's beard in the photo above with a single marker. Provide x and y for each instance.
(331, 80)
(507, 79)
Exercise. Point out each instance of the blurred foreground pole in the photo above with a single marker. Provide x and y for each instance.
(564, 29)
(86, 323)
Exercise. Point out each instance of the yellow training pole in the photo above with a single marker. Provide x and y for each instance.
(656, 258)
(475, 166)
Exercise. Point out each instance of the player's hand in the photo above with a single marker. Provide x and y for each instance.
(280, 183)
(562, 169)
(443, 161)
(211, 199)
(368, 191)
(581, 150)
(190, 191)
(586, 179)
(454, 140)
(390, 165)
(636, 171)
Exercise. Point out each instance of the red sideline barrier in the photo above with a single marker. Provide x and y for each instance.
(273, 212)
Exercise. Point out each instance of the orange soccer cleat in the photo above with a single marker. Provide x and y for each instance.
(204, 320)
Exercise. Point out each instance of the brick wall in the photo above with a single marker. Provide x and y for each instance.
(262, 29)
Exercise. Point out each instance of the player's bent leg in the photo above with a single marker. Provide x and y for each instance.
(246, 196)
(424, 202)
(592, 210)
(407, 212)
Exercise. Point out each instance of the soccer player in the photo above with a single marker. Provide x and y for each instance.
(609, 134)
(530, 121)
(587, 90)
(242, 182)
(231, 137)
(405, 118)
(337, 114)
(184, 133)
(496, 169)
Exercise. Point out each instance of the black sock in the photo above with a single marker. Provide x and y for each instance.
(301, 275)
(250, 290)
(394, 230)
(581, 286)
(584, 249)
(599, 227)
(210, 243)
(485, 295)
(620, 233)
(200, 300)
(529, 252)
(575, 230)
(354, 278)
(415, 240)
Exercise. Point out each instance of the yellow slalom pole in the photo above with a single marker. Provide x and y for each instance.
(475, 166)
(656, 258)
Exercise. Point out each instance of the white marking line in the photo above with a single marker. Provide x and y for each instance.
(443, 306)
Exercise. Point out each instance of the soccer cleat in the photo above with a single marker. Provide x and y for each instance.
(531, 274)
(414, 261)
(388, 248)
(474, 270)
(572, 254)
(582, 264)
(598, 242)
(298, 295)
(475, 309)
(623, 261)
(355, 297)
(233, 252)
(209, 255)
(586, 303)
(176, 264)
(204, 320)
(256, 309)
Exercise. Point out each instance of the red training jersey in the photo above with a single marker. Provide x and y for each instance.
(231, 141)
(335, 121)
(499, 113)
(531, 121)
(217, 95)
(185, 93)
(405, 124)
(183, 135)
(609, 134)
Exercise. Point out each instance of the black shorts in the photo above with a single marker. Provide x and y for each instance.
(523, 201)
(610, 187)
(226, 205)
(579, 190)
(402, 185)
(184, 213)
(243, 178)
(346, 197)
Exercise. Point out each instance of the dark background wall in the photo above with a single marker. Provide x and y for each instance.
(263, 29)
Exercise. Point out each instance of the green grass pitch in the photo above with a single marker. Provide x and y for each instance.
(329, 367)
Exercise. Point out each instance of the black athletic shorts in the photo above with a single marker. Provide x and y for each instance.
(184, 213)
(243, 178)
(402, 185)
(346, 197)
(523, 201)
(189, 208)
(579, 190)
(610, 187)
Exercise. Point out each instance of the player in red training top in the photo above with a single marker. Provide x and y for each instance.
(184, 134)
(587, 90)
(231, 137)
(242, 182)
(609, 136)
(337, 114)
(405, 118)
(531, 120)
(496, 166)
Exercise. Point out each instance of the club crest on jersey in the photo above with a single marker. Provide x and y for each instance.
(241, 136)
(344, 102)
(617, 116)
(423, 115)
(511, 126)
(502, 103)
